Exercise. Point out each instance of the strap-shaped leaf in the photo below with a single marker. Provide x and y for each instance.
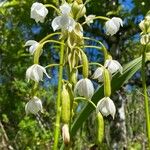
(117, 81)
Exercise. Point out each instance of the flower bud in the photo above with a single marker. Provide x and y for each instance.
(78, 10)
(100, 128)
(107, 83)
(65, 134)
(85, 68)
(65, 106)
(73, 76)
(145, 39)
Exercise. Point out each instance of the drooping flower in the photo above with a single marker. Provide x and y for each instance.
(65, 134)
(98, 74)
(64, 21)
(84, 87)
(38, 12)
(112, 26)
(33, 45)
(33, 106)
(35, 72)
(113, 66)
(89, 19)
(106, 107)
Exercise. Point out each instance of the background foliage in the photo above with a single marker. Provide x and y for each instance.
(21, 132)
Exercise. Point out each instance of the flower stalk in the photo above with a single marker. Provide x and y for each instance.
(60, 75)
(145, 96)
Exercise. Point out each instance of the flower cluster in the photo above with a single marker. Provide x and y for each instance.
(73, 56)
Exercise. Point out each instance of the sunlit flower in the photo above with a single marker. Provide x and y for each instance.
(113, 66)
(65, 134)
(84, 87)
(35, 72)
(38, 12)
(145, 39)
(33, 45)
(98, 74)
(33, 106)
(89, 19)
(106, 107)
(64, 21)
(112, 26)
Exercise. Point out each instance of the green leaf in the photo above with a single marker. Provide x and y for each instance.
(117, 81)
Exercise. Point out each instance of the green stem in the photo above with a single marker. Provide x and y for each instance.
(52, 65)
(49, 35)
(98, 17)
(92, 63)
(82, 98)
(145, 96)
(52, 6)
(57, 124)
(103, 46)
(96, 47)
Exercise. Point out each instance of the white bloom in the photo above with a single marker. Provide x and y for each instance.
(113, 66)
(33, 45)
(35, 72)
(38, 12)
(84, 87)
(64, 21)
(112, 26)
(89, 19)
(106, 107)
(33, 106)
(98, 74)
(65, 134)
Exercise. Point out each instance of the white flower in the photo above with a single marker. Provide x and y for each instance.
(38, 12)
(112, 26)
(33, 106)
(89, 19)
(113, 66)
(33, 45)
(84, 87)
(98, 74)
(65, 134)
(35, 72)
(64, 21)
(106, 107)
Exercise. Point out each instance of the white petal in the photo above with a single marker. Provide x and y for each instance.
(106, 107)
(71, 25)
(65, 8)
(111, 107)
(118, 21)
(98, 74)
(31, 42)
(56, 23)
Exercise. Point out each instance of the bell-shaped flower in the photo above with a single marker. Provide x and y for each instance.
(35, 72)
(112, 26)
(98, 74)
(64, 21)
(84, 87)
(89, 19)
(113, 66)
(106, 107)
(33, 106)
(38, 12)
(33, 45)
